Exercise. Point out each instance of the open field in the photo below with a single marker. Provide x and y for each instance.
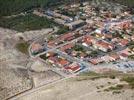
(73, 89)
(14, 74)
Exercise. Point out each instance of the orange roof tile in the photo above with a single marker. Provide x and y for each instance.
(115, 56)
(63, 62)
(36, 46)
(68, 46)
(124, 42)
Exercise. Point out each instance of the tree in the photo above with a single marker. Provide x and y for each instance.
(9, 7)
(43, 3)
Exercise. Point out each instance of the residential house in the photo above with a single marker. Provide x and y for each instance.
(96, 61)
(114, 57)
(36, 47)
(104, 46)
(123, 42)
(73, 68)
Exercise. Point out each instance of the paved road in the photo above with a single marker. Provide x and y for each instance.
(74, 59)
(68, 42)
(73, 75)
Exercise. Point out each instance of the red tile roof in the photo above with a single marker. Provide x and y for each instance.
(36, 47)
(124, 55)
(68, 46)
(105, 44)
(66, 36)
(114, 56)
(63, 62)
(124, 42)
(51, 43)
(96, 61)
(88, 39)
(54, 59)
(73, 67)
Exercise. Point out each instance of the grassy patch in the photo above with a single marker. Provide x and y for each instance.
(131, 57)
(82, 78)
(25, 23)
(129, 80)
(79, 48)
(62, 30)
(89, 74)
(68, 13)
(114, 88)
(94, 76)
(116, 92)
(117, 87)
(44, 57)
(112, 77)
(22, 47)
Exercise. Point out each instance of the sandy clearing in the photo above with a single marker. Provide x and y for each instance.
(79, 90)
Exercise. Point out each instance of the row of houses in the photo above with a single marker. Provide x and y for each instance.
(97, 44)
(65, 20)
(64, 38)
(121, 55)
(58, 61)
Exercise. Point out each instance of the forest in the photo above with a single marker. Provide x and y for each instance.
(129, 3)
(9, 7)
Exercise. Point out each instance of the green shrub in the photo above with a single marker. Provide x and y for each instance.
(129, 80)
(23, 47)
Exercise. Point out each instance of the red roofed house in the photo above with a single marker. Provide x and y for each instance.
(74, 67)
(52, 60)
(88, 40)
(68, 46)
(96, 61)
(36, 47)
(63, 62)
(123, 42)
(123, 56)
(51, 44)
(66, 36)
(114, 57)
(126, 51)
(104, 46)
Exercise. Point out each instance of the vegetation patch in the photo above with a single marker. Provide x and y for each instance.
(116, 92)
(26, 22)
(129, 80)
(62, 30)
(131, 57)
(78, 48)
(116, 89)
(44, 57)
(68, 13)
(112, 77)
(22, 47)
(9, 7)
(94, 53)
(89, 74)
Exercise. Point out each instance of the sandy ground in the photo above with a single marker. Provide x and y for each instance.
(80, 90)
(14, 75)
